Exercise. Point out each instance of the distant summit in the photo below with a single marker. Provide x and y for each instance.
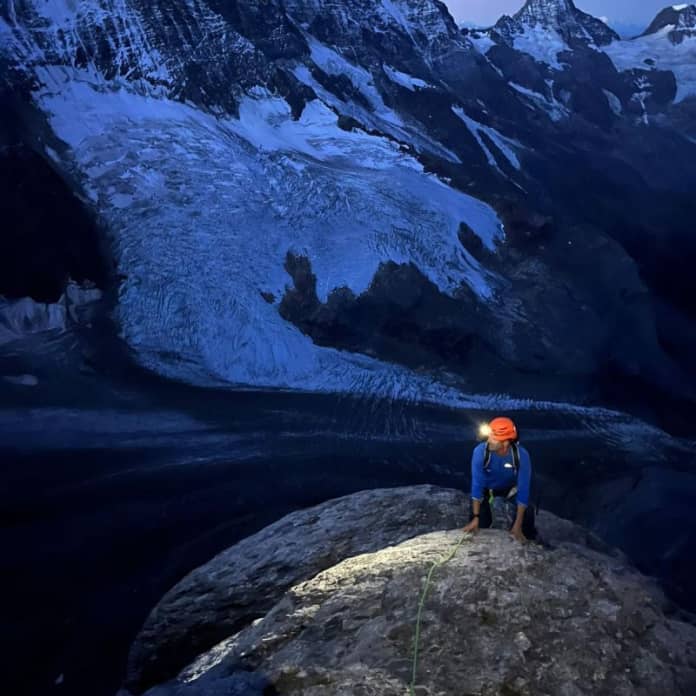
(677, 21)
(573, 26)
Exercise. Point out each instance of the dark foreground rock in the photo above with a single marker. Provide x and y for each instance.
(244, 582)
(567, 617)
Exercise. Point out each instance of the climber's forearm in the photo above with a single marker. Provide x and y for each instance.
(520, 515)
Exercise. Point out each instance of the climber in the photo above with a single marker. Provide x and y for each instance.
(501, 469)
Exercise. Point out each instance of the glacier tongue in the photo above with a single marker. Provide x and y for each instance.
(204, 211)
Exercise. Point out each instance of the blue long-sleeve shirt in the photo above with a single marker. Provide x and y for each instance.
(501, 473)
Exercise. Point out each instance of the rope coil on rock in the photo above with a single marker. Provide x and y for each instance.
(416, 638)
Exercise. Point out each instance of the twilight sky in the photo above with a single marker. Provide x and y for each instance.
(623, 12)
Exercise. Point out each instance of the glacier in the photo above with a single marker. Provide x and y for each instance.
(542, 43)
(203, 210)
(203, 207)
(679, 58)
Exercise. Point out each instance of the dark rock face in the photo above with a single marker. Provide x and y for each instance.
(48, 236)
(378, 32)
(547, 331)
(403, 316)
(658, 89)
(204, 54)
(681, 20)
(600, 100)
(50, 232)
(520, 68)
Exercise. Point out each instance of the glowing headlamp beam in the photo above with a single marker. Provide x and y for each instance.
(484, 430)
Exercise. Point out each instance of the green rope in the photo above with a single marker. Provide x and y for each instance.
(416, 639)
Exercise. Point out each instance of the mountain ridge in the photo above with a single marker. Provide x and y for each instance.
(679, 19)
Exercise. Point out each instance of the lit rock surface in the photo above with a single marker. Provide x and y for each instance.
(244, 582)
(567, 617)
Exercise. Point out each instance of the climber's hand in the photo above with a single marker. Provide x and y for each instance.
(472, 526)
(516, 533)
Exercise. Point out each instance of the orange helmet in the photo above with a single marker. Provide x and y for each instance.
(503, 429)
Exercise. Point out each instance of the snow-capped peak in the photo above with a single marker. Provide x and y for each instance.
(560, 19)
(678, 22)
(545, 28)
(546, 11)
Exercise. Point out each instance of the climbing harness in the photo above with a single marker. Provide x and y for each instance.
(416, 638)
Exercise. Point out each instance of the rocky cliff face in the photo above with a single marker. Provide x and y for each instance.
(338, 592)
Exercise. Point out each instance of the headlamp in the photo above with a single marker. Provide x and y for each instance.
(484, 430)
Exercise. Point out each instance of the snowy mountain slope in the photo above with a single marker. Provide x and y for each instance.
(551, 31)
(670, 47)
(347, 200)
(366, 103)
(544, 28)
(209, 55)
(169, 45)
(681, 20)
(207, 209)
